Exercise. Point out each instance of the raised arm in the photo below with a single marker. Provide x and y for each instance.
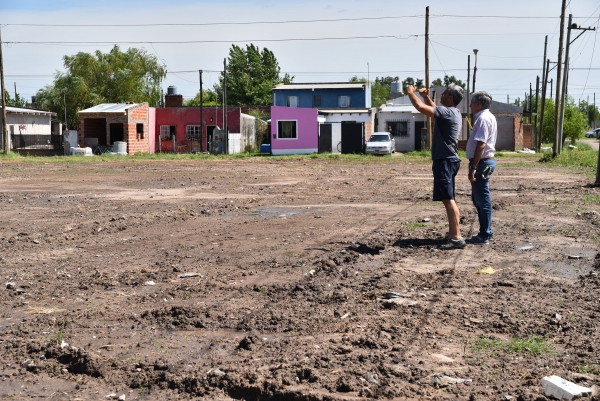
(418, 104)
(424, 92)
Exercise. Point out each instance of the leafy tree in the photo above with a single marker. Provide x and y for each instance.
(113, 77)
(574, 122)
(380, 89)
(589, 109)
(251, 75)
(209, 98)
(448, 80)
(18, 101)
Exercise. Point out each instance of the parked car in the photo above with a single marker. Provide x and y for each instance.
(595, 133)
(381, 143)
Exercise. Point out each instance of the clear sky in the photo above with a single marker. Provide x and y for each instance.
(347, 37)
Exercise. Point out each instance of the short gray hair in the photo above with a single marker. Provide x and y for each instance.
(483, 98)
(457, 93)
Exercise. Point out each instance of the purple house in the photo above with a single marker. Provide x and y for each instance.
(294, 131)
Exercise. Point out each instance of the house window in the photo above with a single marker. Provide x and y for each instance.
(291, 101)
(398, 128)
(166, 131)
(317, 101)
(139, 129)
(344, 101)
(192, 132)
(287, 130)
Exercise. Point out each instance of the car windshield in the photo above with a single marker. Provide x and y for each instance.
(379, 138)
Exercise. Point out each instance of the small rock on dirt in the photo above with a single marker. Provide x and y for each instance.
(395, 302)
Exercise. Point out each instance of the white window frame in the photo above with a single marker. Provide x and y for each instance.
(344, 101)
(279, 137)
(192, 133)
(291, 101)
(165, 132)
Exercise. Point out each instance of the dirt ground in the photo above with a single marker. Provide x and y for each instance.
(295, 279)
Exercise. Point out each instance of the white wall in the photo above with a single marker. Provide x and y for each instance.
(28, 124)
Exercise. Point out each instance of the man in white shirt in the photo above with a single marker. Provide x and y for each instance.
(480, 152)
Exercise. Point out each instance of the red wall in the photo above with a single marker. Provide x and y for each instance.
(180, 117)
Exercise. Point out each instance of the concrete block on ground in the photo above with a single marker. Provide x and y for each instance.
(561, 389)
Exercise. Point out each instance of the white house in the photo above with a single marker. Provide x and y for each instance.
(24, 124)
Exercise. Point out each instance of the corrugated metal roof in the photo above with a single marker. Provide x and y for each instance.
(23, 110)
(323, 85)
(109, 108)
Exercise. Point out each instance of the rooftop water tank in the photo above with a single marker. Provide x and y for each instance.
(396, 87)
(171, 90)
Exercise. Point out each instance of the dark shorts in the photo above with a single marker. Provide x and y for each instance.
(444, 171)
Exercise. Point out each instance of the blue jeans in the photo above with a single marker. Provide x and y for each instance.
(481, 196)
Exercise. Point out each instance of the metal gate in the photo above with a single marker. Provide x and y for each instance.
(353, 137)
(325, 138)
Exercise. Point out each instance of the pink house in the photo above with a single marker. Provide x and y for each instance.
(294, 131)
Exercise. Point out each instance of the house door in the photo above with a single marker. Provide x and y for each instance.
(325, 138)
(209, 137)
(352, 137)
(419, 125)
(116, 133)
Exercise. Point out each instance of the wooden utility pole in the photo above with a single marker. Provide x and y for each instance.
(537, 93)
(427, 82)
(555, 148)
(469, 94)
(544, 79)
(225, 106)
(544, 87)
(4, 129)
(201, 114)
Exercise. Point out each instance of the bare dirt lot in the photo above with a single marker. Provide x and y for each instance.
(295, 279)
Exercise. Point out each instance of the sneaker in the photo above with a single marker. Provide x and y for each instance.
(453, 244)
(477, 240)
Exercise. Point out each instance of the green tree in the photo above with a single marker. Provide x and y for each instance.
(251, 75)
(447, 81)
(589, 109)
(573, 126)
(18, 101)
(113, 77)
(380, 89)
(209, 98)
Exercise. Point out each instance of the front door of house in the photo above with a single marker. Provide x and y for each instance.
(325, 138)
(352, 137)
(116, 133)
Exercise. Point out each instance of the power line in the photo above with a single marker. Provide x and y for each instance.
(281, 22)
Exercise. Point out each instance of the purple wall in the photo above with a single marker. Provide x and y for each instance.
(307, 127)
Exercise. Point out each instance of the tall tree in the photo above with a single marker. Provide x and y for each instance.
(209, 98)
(447, 81)
(574, 122)
(113, 77)
(380, 89)
(18, 101)
(411, 81)
(251, 75)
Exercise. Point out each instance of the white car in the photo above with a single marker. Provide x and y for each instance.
(381, 143)
(593, 133)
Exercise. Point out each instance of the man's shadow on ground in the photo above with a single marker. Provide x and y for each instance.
(417, 242)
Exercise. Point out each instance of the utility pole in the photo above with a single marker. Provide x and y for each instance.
(4, 129)
(544, 87)
(427, 82)
(475, 69)
(225, 106)
(201, 114)
(15, 92)
(537, 93)
(555, 149)
(469, 94)
(571, 26)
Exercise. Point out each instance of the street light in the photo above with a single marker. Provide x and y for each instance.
(475, 69)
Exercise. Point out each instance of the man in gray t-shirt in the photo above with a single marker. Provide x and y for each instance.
(444, 152)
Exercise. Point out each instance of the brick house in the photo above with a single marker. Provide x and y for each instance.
(104, 124)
